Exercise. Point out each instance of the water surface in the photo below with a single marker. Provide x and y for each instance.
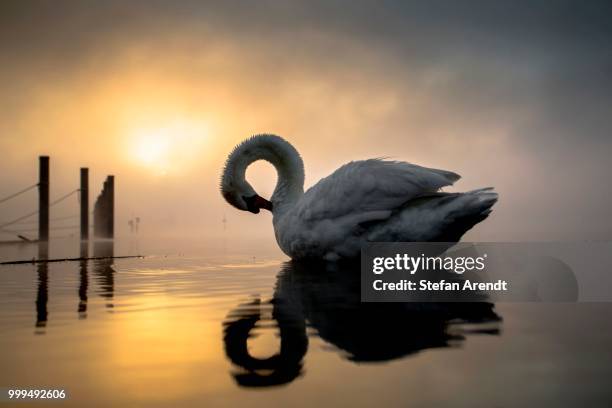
(244, 329)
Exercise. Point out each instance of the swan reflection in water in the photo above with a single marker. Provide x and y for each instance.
(329, 301)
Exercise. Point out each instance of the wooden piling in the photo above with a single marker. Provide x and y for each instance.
(84, 203)
(43, 199)
(104, 210)
(111, 206)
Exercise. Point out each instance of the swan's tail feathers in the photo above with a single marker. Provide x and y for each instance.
(450, 176)
(434, 217)
(466, 210)
(484, 199)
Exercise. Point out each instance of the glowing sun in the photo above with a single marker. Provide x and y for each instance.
(152, 148)
(170, 147)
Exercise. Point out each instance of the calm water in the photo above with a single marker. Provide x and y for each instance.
(244, 330)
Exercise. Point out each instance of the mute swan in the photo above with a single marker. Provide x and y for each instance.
(368, 200)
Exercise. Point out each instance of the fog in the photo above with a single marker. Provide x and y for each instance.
(515, 96)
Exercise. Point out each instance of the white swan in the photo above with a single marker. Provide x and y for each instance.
(367, 200)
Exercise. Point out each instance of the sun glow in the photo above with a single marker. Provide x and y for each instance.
(168, 148)
(151, 148)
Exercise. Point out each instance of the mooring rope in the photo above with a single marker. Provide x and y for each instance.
(18, 193)
(62, 198)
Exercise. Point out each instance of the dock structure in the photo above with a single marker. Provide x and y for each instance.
(103, 214)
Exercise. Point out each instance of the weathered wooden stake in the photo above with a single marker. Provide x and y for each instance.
(84, 203)
(104, 210)
(111, 206)
(43, 199)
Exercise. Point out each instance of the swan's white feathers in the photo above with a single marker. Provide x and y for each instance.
(271, 141)
(368, 187)
(368, 200)
(274, 149)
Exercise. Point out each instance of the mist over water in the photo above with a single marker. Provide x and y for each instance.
(156, 93)
(511, 97)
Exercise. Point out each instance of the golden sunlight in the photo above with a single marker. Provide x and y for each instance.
(169, 147)
(150, 148)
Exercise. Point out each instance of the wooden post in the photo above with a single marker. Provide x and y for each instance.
(104, 210)
(43, 199)
(111, 207)
(84, 203)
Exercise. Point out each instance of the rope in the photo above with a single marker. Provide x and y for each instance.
(65, 227)
(62, 198)
(18, 193)
(68, 217)
(18, 219)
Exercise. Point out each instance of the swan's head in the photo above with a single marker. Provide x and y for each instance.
(241, 195)
(245, 201)
(277, 151)
(234, 187)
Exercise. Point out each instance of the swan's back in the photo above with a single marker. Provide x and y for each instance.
(378, 201)
(366, 186)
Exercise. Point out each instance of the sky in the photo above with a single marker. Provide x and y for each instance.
(515, 95)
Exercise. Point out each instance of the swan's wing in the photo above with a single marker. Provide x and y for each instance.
(369, 190)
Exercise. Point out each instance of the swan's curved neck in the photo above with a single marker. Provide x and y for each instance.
(282, 155)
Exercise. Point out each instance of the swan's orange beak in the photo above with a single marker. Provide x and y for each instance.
(255, 203)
